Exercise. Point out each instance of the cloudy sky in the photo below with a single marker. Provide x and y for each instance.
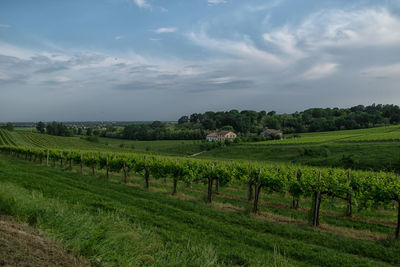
(158, 60)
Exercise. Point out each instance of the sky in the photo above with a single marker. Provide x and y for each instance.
(127, 60)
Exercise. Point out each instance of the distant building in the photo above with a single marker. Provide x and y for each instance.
(269, 132)
(221, 136)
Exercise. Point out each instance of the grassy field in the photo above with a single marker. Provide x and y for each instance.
(368, 149)
(111, 223)
(387, 133)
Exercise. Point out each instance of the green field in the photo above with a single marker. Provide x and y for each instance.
(28, 139)
(387, 133)
(112, 223)
(367, 149)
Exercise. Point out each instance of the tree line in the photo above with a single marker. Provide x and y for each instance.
(54, 128)
(310, 120)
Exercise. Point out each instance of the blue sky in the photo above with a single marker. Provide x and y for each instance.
(158, 60)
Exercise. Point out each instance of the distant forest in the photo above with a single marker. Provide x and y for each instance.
(310, 120)
(248, 124)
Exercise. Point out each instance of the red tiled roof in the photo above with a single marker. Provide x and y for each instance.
(212, 135)
(223, 132)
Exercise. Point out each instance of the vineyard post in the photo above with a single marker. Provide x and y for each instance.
(146, 173)
(61, 159)
(217, 186)
(124, 169)
(398, 220)
(70, 163)
(188, 182)
(41, 158)
(165, 178)
(349, 205)
(250, 193)
(257, 193)
(295, 203)
(47, 157)
(316, 202)
(175, 184)
(210, 183)
(107, 167)
(93, 165)
(81, 163)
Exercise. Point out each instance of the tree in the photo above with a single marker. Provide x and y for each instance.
(9, 126)
(183, 119)
(41, 127)
(89, 131)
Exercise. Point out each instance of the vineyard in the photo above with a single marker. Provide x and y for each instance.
(29, 139)
(387, 133)
(367, 189)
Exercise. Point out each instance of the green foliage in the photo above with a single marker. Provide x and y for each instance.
(58, 129)
(41, 127)
(93, 138)
(9, 126)
(310, 120)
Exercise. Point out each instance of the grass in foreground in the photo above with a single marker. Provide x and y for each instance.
(111, 223)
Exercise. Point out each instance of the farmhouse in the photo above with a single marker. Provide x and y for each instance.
(268, 132)
(221, 136)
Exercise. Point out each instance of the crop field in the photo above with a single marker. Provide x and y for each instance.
(366, 149)
(112, 223)
(29, 139)
(374, 148)
(387, 133)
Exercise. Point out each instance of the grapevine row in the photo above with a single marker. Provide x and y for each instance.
(367, 188)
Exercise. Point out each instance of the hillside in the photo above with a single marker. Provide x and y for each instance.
(373, 148)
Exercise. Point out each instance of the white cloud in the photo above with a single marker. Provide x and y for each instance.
(14, 51)
(5, 26)
(61, 79)
(118, 37)
(244, 49)
(216, 2)
(286, 43)
(387, 71)
(221, 80)
(142, 3)
(361, 28)
(165, 30)
(319, 71)
(3, 76)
